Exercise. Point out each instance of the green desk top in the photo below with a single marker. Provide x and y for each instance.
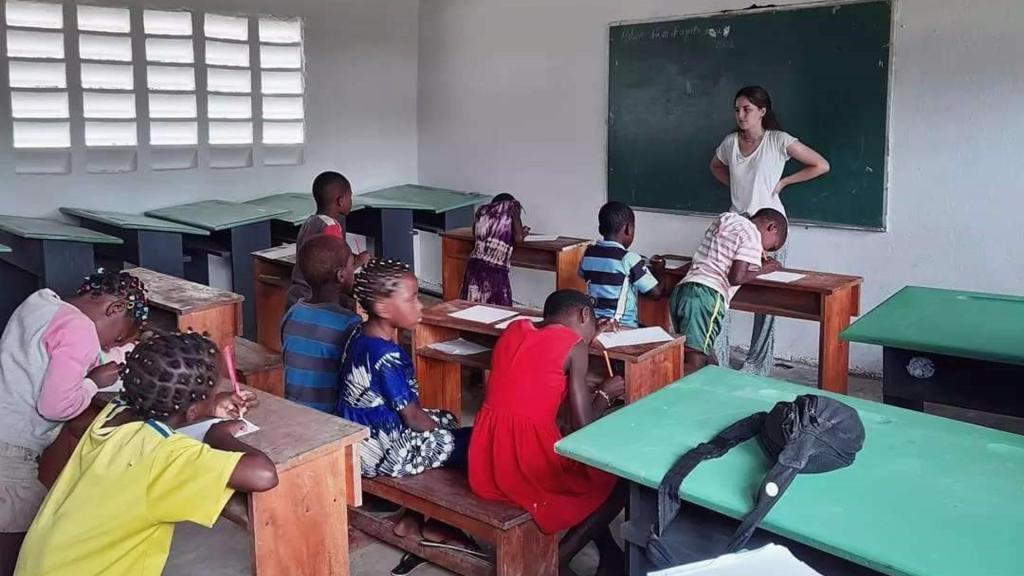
(927, 496)
(4, 249)
(45, 229)
(296, 206)
(132, 221)
(966, 324)
(437, 200)
(215, 215)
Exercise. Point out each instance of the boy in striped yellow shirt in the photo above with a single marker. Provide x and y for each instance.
(731, 254)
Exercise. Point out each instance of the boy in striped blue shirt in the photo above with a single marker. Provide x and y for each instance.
(315, 330)
(614, 275)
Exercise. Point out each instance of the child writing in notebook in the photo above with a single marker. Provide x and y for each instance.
(315, 329)
(333, 195)
(497, 228)
(132, 477)
(615, 276)
(731, 254)
(379, 390)
(52, 362)
(534, 369)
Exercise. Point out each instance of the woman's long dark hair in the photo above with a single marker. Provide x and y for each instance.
(759, 97)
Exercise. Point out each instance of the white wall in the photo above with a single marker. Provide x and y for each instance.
(513, 98)
(361, 74)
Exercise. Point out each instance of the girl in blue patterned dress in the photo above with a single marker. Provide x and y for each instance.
(378, 382)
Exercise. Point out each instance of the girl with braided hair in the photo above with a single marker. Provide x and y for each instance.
(132, 477)
(52, 363)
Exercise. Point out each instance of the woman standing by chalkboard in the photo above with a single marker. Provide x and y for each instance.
(750, 162)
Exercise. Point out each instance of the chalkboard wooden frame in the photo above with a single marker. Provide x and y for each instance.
(877, 224)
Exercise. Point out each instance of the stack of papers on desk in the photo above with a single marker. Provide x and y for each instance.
(483, 314)
(771, 560)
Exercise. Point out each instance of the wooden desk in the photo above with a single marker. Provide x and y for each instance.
(648, 367)
(272, 276)
(560, 256)
(149, 242)
(829, 299)
(43, 254)
(236, 230)
(926, 496)
(957, 348)
(177, 304)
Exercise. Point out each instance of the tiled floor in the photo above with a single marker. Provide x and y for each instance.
(224, 550)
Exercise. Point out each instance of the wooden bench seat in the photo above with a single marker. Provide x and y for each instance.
(259, 367)
(521, 549)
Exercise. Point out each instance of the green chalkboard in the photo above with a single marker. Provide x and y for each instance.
(670, 103)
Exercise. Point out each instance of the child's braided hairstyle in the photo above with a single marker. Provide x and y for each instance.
(377, 279)
(166, 373)
(123, 285)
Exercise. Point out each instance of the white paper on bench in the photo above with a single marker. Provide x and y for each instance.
(541, 238)
(459, 347)
(199, 429)
(505, 324)
(282, 251)
(634, 337)
(482, 314)
(770, 560)
(784, 277)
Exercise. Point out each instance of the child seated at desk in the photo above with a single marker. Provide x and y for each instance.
(534, 369)
(315, 329)
(333, 195)
(614, 275)
(498, 227)
(731, 254)
(51, 365)
(132, 477)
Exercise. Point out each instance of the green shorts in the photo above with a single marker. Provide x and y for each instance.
(697, 311)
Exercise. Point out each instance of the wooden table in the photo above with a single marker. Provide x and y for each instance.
(43, 254)
(957, 348)
(560, 256)
(150, 242)
(926, 496)
(272, 276)
(177, 304)
(236, 231)
(829, 299)
(647, 367)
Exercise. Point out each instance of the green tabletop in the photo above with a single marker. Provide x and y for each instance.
(45, 229)
(927, 496)
(132, 221)
(4, 249)
(966, 324)
(296, 206)
(214, 215)
(437, 200)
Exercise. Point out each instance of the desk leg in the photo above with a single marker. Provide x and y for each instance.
(162, 252)
(440, 381)
(654, 373)
(301, 527)
(17, 284)
(244, 241)
(453, 269)
(833, 351)
(567, 264)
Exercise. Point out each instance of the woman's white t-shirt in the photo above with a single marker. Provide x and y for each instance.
(752, 179)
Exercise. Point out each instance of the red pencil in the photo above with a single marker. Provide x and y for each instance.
(229, 361)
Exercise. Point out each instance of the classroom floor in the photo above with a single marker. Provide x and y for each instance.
(224, 550)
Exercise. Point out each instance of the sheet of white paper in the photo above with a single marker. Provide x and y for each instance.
(482, 314)
(459, 347)
(115, 387)
(280, 252)
(633, 337)
(771, 560)
(541, 238)
(199, 429)
(780, 276)
(675, 262)
(505, 324)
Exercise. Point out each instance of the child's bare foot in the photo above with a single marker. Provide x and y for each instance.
(409, 524)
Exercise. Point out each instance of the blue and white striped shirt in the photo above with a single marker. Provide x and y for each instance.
(614, 276)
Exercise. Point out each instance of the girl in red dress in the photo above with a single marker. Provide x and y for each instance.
(512, 452)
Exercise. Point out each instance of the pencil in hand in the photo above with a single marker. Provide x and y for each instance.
(608, 364)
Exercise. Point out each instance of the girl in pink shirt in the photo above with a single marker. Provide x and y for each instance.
(51, 365)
